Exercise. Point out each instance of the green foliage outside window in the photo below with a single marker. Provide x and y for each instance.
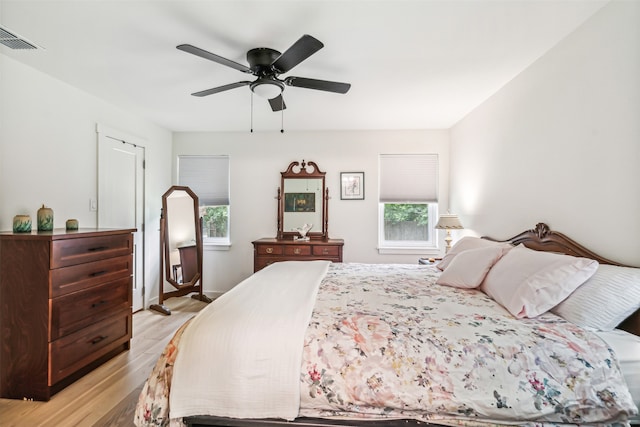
(406, 212)
(406, 221)
(215, 221)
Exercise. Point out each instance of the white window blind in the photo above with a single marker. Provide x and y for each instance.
(408, 178)
(207, 176)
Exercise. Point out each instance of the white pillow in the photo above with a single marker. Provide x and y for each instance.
(605, 300)
(529, 283)
(469, 268)
(465, 244)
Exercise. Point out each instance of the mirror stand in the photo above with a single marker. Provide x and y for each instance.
(180, 247)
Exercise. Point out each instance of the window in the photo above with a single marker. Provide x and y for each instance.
(208, 177)
(408, 203)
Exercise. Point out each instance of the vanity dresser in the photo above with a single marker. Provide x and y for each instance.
(65, 306)
(267, 251)
(302, 202)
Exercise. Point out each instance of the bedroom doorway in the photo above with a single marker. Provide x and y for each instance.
(121, 195)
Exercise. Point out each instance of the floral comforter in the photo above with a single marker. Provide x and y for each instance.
(385, 341)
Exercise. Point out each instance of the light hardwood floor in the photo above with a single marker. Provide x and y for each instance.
(107, 395)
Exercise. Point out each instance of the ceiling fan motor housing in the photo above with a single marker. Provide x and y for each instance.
(260, 60)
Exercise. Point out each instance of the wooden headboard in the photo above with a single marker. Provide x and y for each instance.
(541, 238)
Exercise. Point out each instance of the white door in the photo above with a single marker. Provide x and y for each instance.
(121, 198)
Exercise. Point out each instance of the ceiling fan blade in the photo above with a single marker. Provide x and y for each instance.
(220, 88)
(318, 84)
(213, 57)
(277, 103)
(298, 52)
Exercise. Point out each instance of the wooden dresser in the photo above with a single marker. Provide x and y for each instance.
(65, 306)
(269, 250)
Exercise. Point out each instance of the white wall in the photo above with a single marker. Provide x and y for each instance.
(256, 160)
(561, 143)
(48, 153)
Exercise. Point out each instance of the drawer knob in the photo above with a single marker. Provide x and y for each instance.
(98, 273)
(98, 304)
(296, 251)
(96, 340)
(325, 251)
(98, 248)
(269, 250)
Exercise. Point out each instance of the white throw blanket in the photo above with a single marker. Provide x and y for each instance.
(240, 357)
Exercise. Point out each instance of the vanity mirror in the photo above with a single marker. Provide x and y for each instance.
(180, 246)
(302, 202)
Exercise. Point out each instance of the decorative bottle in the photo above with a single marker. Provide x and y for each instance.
(22, 224)
(45, 219)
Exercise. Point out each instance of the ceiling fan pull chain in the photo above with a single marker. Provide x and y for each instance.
(281, 114)
(251, 112)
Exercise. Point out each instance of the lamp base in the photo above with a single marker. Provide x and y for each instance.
(448, 240)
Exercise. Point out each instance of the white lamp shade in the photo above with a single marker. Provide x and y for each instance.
(449, 222)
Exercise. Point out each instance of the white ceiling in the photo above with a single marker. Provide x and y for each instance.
(412, 64)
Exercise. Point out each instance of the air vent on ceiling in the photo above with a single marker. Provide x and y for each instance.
(14, 41)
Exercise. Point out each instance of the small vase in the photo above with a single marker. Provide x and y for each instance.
(22, 224)
(72, 224)
(45, 219)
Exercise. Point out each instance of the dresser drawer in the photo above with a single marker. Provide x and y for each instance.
(331, 251)
(67, 252)
(74, 311)
(297, 250)
(77, 277)
(77, 350)
(269, 249)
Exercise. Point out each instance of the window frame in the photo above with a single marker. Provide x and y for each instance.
(213, 243)
(429, 246)
(403, 167)
(222, 242)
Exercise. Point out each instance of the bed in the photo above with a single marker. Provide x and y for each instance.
(315, 343)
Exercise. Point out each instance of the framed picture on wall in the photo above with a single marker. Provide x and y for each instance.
(352, 185)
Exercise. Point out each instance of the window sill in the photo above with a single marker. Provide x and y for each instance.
(389, 250)
(217, 246)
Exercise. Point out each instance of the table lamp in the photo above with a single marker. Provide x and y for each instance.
(448, 222)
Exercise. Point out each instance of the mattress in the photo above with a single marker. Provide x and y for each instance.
(627, 348)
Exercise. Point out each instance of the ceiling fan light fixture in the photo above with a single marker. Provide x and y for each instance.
(267, 88)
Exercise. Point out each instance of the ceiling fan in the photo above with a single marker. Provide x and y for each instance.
(267, 64)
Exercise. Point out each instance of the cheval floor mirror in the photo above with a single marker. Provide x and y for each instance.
(180, 247)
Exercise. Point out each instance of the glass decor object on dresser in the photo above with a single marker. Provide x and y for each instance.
(302, 220)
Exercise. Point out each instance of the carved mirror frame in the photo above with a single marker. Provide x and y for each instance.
(296, 171)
